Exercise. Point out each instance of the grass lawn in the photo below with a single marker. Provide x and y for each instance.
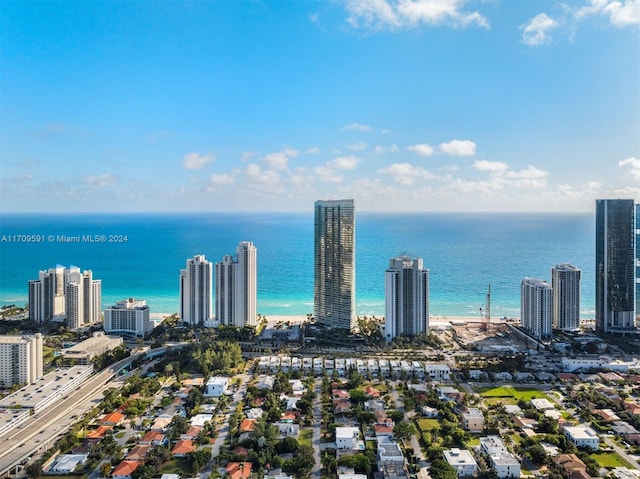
(306, 437)
(371, 446)
(120, 434)
(428, 424)
(175, 466)
(510, 391)
(473, 442)
(610, 460)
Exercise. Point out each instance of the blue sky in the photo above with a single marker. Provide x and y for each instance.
(432, 105)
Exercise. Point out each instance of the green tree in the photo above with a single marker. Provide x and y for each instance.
(404, 429)
(537, 454)
(198, 459)
(441, 469)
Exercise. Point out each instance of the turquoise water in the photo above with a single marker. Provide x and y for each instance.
(464, 253)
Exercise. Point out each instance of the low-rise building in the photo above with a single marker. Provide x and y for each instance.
(216, 386)
(582, 436)
(348, 438)
(473, 419)
(505, 465)
(462, 461)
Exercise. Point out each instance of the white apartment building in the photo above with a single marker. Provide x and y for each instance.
(195, 291)
(20, 359)
(535, 299)
(348, 437)
(65, 294)
(216, 386)
(236, 287)
(406, 298)
(505, 464)
(582, 436)
(129, 317)
(462, 461)
(565, 285)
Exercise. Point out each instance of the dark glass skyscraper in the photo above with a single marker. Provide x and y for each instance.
(615, 266)
(334, 264)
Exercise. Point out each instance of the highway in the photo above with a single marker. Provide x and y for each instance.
(41, 430)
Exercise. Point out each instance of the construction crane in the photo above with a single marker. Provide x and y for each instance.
(485, 312)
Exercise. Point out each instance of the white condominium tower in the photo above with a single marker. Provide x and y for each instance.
(406, 298)
(335, 264)
(535, 297)
(565, 284)
(236, 287)
(20, 359)
(129, 317)
(65, 294)
(195, 291)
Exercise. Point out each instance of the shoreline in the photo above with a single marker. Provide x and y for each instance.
(303, 318)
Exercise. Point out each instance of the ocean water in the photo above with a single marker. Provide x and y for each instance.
(463, 252)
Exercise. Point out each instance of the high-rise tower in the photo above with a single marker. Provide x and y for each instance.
(334, 264)
(236, 287)
(195, 291)
(565, 283)
(615, 266)
(535, 300)
(406, 298)
(65, 294)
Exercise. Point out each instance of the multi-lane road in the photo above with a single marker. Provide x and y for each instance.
(41, 430)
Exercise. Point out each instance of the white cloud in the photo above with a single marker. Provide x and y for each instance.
(464, 186)
(458, 148)
(101, 181)
(314, 150)
(535, 32)
(529, 172)
(359, 146)
(344, 163)
(256, 175)
(330, 171)
(314, 17)
(215, 181)
(406, 174)
(386, 149)
(385, 131)
(531, 177)
(496, 167)
(422, 149)
(280, 159)
(23, 178)
(196, 161)
(399, 14)
(620, 13)
(248, 155)
(356, 127)
(634, 166)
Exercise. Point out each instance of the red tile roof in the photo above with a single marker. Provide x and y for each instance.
(125, 468)
(183, 446)
(239, 470)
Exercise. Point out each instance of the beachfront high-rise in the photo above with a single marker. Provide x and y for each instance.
(236, 287)
(195, 291)
(565, 285)
(535, 300)
(406, 298)
(615, 266)
(65, 294)
(334, 291)
(129, 317)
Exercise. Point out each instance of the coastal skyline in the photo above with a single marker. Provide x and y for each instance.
(403, 106)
